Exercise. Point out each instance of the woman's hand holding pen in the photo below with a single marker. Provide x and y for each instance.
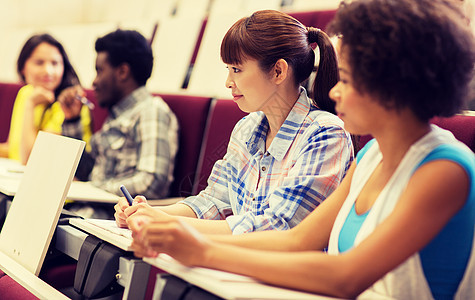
(126, 207)
(154, 231)
(124, 210)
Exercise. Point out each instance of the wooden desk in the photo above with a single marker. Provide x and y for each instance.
(222, 284)
(228, 285)
(11, 173)
(78, 191)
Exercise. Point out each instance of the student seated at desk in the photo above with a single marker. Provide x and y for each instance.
(138, 141)
(401, 224)
(45, 68)
(289, 153)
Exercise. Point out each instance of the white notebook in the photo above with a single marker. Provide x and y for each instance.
(35, 209)
(106, 230)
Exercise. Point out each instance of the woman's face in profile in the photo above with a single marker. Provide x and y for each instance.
(251, 88)
(44, 67)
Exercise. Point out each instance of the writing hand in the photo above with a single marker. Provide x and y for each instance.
(122, 205)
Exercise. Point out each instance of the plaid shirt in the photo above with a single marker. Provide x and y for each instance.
(135, 147)
(254, 189)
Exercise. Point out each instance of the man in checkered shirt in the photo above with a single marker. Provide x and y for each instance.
(137, 144)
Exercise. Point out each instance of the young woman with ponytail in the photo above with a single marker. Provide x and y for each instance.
(288, 154)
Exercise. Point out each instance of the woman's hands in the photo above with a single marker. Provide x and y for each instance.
(154, 231)
(164, 233)
(123, 210)
(40, 95)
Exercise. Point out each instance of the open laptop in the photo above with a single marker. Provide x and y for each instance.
(36, 207)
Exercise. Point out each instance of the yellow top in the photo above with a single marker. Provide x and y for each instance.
(45, 118)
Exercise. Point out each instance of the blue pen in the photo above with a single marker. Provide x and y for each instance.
(126, 194)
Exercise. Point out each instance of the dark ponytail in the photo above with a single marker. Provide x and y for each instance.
(327, 73)
(327, 76)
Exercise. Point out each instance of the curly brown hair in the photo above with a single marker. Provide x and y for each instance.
(416, 54)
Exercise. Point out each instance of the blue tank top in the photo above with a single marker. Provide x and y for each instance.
(445, 258)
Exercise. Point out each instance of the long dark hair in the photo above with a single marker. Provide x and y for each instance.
(69, 75)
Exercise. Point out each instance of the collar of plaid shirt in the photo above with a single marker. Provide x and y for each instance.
(287, 132)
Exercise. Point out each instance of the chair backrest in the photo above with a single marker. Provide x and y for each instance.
(8, 92)
(208, 75)
(462, 126)
(317, 19)
(191, 112)
(98, 114)
(169, 74)
(223, 116)
(305, 5)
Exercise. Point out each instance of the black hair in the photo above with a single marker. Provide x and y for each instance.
(130, 47)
